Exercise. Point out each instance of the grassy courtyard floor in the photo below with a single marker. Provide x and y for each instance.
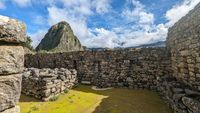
(85, 100)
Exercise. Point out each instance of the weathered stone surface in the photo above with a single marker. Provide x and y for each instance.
(15, 109)
(10, 90)
(192, 104)
(60, 38)
(183, 42)
(106, 68)
(12, 30)
(46, 83)
(11, 59)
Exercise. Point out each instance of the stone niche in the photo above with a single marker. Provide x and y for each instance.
(46, 83)
(12, 35)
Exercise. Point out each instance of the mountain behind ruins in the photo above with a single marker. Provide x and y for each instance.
(60, 38)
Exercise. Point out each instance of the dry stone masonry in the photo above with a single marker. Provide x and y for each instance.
(184, 44)
(46, 83)
(12, 34)
(131, 68)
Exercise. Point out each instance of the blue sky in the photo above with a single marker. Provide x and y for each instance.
(101, 23)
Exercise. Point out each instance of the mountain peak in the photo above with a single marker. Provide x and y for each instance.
(60, 38)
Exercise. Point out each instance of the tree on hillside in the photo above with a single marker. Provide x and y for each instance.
(28, 43)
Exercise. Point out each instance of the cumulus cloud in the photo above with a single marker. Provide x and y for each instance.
(78, 23)
(103, 38)
(141, 30)
(138, 14)
(22, 3)
(37, 36)
(180, 10)
(102, 6)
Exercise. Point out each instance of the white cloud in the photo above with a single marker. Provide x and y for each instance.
(37, 37)
(102, 6)
(39, 20)
(138, 14)
(22, 3)
(180, 10)
(103, 38)
(142, 31)
(78, 23)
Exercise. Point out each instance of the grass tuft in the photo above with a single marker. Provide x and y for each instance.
(54, 98)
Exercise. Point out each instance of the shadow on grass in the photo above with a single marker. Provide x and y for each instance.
(128, 101)
(24, 98)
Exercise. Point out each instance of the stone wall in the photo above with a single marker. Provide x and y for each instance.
(138, 68)
(184, 44)
(146, 68)
(45, 84)
(12, 34)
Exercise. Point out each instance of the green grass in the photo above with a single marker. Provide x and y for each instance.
(85, 100)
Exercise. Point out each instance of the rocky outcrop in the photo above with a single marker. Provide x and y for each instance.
(60, 38)
(12, 35)
(46, 83)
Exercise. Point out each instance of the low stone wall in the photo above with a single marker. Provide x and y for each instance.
(12, 35)
(129, 68)
(46, 83)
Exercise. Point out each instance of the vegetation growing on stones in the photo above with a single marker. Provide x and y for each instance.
(54, 98)
(28, 45)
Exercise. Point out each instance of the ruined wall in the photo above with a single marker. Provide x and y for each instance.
(137, 68)
(45, 84)
(184, 44)
(12, 34)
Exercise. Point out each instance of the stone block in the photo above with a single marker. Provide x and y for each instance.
(185, 53)
(15, 109)
(10, 89)
(12, 30)
(192, 104)
(11, 59)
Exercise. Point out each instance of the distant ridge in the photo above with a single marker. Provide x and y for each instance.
(152, 45)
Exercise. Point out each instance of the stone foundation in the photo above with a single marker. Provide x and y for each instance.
(44, 84)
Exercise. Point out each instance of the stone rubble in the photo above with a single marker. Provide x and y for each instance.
(46, 83)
